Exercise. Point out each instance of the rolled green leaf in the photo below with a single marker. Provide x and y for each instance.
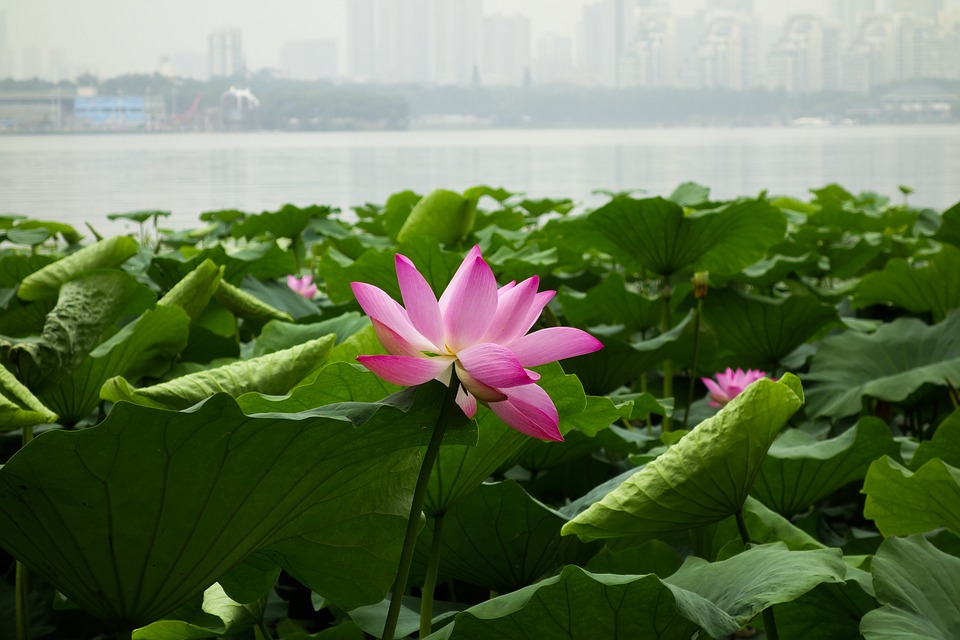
(245, 305)
(194, 290)
(702, 479)
(441, 214)
(272, 374)
(46, 282)
(18, 407)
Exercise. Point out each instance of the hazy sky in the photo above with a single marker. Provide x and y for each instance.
(110, 37)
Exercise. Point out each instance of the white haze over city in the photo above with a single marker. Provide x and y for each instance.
(113, 37)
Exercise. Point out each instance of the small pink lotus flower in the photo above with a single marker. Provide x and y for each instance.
(730, 384)
(478, 331)
(304, 286)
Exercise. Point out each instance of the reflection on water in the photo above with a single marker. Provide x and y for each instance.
(82, 178)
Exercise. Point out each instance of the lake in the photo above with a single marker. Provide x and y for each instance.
(78, 178)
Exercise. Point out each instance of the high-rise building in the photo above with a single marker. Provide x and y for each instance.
(309, 59)
(726, 54)
(806, 57)
(553, 61)
(361, 40)
(455, 36)
(225, 53)
(58, 65)
(736, 6)
(32, 62)
(505, 48)
(403, 45)
(598, 55)
(849, 13)
(871, 58)
(6, 52)
(650, 56)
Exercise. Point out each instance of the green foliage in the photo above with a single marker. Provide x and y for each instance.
(210, 456)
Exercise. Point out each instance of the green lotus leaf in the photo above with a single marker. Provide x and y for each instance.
(194, 291)
(145, 347)
(889, 364)
(274, 373)
(336, 382)
(247, 305)
(949, 230)
(620, 362)
(718, 597)
(690, 194)
(217, 615)
(800, 470)
(500, 538)
(945, 444)
(611, 302)
(46, 282)
(919, 587)
(18, 407)
(655, 234)
(88, 309)
(287, 222)
(377, 267)
(901, 502)
(277, 335)
(70, 235)
(576, 605)
(702, 479)
(139, 216)
(443, 215)
(458, 471)
(828, 612)
(131, 518)
(28, 237)
(768, 272)
(281, 297)
(933, 287)
(743, 586)
(759, 332)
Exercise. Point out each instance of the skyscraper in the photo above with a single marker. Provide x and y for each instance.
(506, 49)
(455, 36)
(6, 53)
(361, 40)
(225, 53)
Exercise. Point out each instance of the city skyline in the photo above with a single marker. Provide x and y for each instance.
(608, 42)
(90, 34)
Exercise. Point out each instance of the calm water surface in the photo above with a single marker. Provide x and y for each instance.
(84, 177)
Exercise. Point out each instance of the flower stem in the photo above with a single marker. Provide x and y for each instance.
(21, 577)
(430, 583)
(419, 493)
(769, 623)
(693, 365)
(667, 363)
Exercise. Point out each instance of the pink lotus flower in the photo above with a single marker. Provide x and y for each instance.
(730, 384)
(304, 286)
(478, 331)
